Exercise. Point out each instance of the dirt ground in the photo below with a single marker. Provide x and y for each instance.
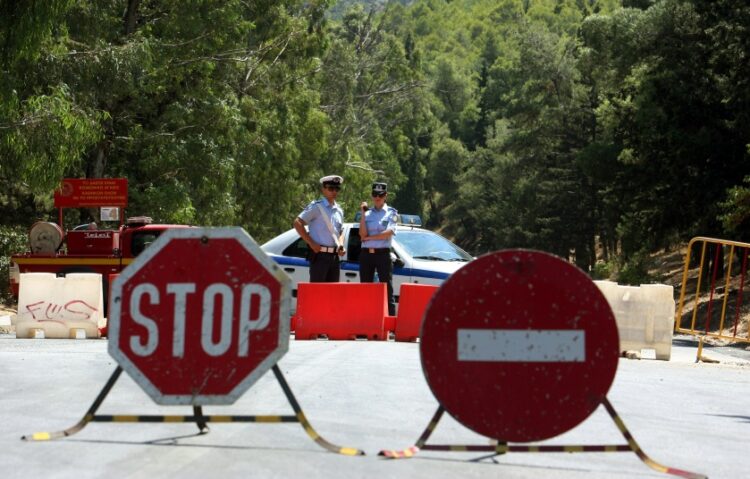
(707, 299)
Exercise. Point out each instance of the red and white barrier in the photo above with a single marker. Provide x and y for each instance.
(412, 303)
(341, 311)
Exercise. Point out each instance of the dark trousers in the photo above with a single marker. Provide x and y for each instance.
(380, 262)
(324, 268)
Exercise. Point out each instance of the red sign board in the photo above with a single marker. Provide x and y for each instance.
(199, 316)
(519, 346)
(92, 192)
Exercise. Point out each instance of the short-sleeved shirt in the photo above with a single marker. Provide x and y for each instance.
(376, 222)
(317, 224)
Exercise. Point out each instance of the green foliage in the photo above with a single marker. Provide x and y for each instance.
(12, 240)
(447, 159)
(735, 211)
(25, 26)
(552, 124)
(372, 92)
(202, 105)
(667, 119)
(602, 270)
(47, 139)
(634, 271)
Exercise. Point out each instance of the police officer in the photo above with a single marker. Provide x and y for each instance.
(326, 237)
(377, 225)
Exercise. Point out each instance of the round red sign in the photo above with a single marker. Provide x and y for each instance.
(199, 316)
(519, 346)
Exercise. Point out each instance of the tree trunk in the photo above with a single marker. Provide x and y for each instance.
(131, 16)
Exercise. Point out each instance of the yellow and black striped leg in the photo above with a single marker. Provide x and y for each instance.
(411, 451)
(46, 436)
(200, 420)
(633, 445)
(348, 451)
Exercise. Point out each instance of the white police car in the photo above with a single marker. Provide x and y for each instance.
(419, 255)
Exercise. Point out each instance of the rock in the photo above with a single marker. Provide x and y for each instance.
(631, 354)
(6, 324)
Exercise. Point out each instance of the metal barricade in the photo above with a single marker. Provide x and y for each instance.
(715, 292)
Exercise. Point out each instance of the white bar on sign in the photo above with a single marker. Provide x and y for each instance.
(522, 345)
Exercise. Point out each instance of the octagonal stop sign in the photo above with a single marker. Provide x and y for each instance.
(519, 346)
(199, 316)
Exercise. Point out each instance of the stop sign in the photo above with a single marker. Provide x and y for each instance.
(519, 346)
(199, 316)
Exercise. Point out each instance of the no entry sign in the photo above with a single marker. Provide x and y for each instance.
(199, 316)
(519, 346)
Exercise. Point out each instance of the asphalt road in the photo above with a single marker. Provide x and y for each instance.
(368, 395)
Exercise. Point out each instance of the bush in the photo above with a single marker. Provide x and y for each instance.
(602, 270)
(12, 240)
(635, 271)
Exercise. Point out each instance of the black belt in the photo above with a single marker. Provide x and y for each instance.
(376, 250)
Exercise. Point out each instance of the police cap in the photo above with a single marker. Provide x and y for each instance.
(379, 188)
(331, 180)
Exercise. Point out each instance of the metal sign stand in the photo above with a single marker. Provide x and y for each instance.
(503, 447)
(198, 417)
(521, 317)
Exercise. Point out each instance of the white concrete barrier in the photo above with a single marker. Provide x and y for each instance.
(6, 324)
(51, 307)
(644, 316)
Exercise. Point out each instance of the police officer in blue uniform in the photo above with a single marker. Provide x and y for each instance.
(377, 225)
(325, 220)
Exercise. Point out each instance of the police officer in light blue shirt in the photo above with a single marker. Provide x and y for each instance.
(377, 225)
(325, 221)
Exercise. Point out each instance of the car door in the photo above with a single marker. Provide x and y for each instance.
(402, 271)
(350, 264)
(294, 263)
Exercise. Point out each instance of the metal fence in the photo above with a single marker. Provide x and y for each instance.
(713, 285)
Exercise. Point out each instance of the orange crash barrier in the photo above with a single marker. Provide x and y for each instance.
(341, 311)
(412, 304)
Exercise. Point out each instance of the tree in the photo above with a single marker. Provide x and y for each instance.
(661, 106)
(204, 106)
(372, 91)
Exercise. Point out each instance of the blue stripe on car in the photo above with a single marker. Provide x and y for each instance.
(347, 266)
(421, 273)
(290, 260)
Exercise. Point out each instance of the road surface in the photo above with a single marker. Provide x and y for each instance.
(368, 395)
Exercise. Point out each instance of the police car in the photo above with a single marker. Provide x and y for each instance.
(419, 255)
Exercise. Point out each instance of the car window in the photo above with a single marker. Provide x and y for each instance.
(298, 249)
(423, 244)
(141, 240)
(354, 246)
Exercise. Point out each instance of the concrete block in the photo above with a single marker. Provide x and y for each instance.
(644, 316)
(52, 307)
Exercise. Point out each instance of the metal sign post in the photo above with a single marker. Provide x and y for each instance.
(195, 320)
(521, 346)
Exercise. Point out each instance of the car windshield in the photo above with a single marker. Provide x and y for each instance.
(423, 244)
